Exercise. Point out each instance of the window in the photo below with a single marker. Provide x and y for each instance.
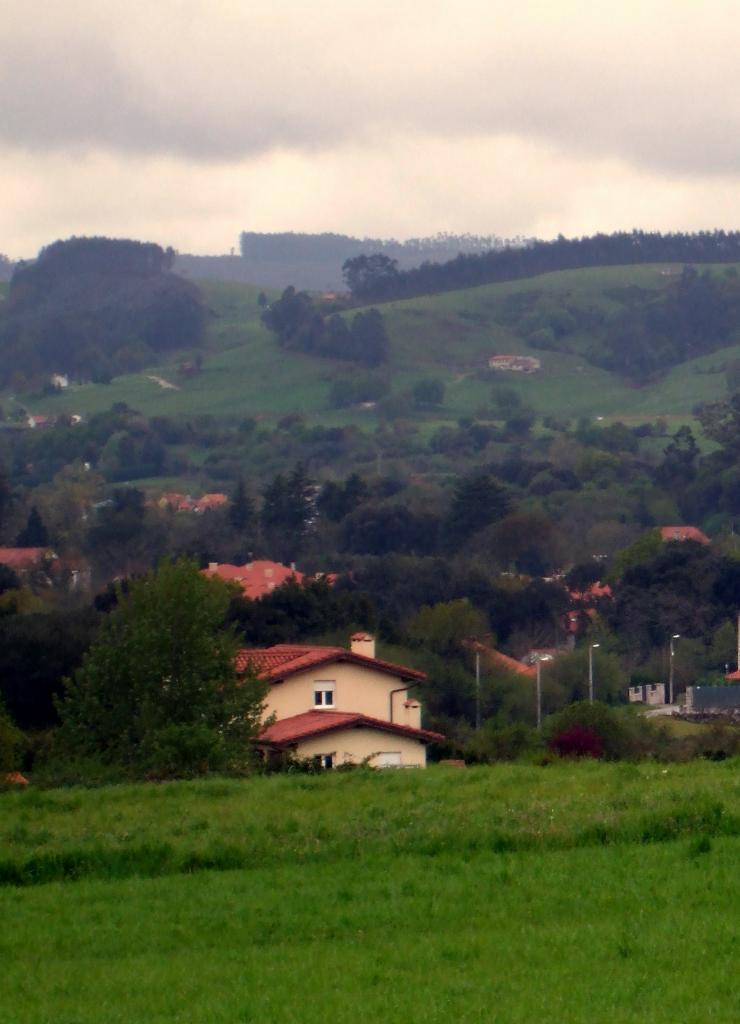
(324, 760)
(323, 693)
(388, 759)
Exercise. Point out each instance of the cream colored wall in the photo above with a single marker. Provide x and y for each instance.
(355, 745)
(357, 688)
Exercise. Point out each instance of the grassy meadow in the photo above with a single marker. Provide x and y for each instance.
(573, 892)
(448, 336)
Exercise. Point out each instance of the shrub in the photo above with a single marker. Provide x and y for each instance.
(577, 741)
(622, 732)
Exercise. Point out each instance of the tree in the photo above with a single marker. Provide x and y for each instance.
(370, 277)
(34, 534)
(241, 509)
(445, 627)
(157, 693)
(428, 392)
(479, 500)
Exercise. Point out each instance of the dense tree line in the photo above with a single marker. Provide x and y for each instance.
(376, 277)
(94, 307)
(301, 327)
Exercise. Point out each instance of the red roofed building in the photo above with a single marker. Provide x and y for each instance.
(209, 501)
(681, 533)
(340, 706)
(25, 559)
(255, 578)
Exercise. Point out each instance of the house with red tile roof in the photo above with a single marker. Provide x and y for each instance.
(210, 501)
(23, 560)
(255, 578)
(339, 706)
(681, 533)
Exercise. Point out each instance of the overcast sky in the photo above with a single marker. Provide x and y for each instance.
(187, 121)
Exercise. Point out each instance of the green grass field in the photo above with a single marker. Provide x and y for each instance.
(448, 336)
(574, 893)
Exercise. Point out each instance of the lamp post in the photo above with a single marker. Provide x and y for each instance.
(477, 689)
(675, 636)
(591, 649)
(539, 658)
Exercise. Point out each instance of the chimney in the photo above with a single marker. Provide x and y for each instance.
(363, 643)
(212, 566)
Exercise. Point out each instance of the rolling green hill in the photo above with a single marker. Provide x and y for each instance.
(448, 336)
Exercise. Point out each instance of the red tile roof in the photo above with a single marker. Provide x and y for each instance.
(496, 659)
(291, 730)
(24, 558)
(256, 578)
(215, 500)
(283, 660)
(16, 779)
(679, 533)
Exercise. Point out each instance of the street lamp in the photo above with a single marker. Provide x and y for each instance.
(675, 636)
(539, 658)
(591, 649)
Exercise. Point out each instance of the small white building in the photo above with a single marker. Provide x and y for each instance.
(514, 364)
(648, 693)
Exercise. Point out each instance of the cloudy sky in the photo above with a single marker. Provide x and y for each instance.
(186, 121)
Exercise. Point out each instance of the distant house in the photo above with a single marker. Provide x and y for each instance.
(24, 560)
(176, 502)
(59, 380)
(494, 659)
(681, 533)
(255, 578)
(514, 364)
(339, 706)
(210, 501)
(34, 421)
(43, 567)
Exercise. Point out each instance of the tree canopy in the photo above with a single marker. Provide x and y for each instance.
(157, 692)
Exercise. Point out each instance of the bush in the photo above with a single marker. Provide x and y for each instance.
(495, 742)
(621, 732)
(578, 741)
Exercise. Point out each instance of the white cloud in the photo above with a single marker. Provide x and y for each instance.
(187, 120)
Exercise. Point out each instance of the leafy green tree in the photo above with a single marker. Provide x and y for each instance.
(445, 627)
(157, 692)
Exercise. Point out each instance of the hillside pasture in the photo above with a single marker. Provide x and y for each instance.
(448, 336)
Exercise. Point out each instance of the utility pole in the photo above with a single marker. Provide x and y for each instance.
(591, 649)
(477, 689)
(675, 636)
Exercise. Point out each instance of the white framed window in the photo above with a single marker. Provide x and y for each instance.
(388, 759)
(324, 760)
(323, 693)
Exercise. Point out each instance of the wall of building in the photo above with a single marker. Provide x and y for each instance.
(355, 745)
(707, 698)
(356, 688)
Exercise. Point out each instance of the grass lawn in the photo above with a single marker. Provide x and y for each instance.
(631, 933)
(573, 893)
